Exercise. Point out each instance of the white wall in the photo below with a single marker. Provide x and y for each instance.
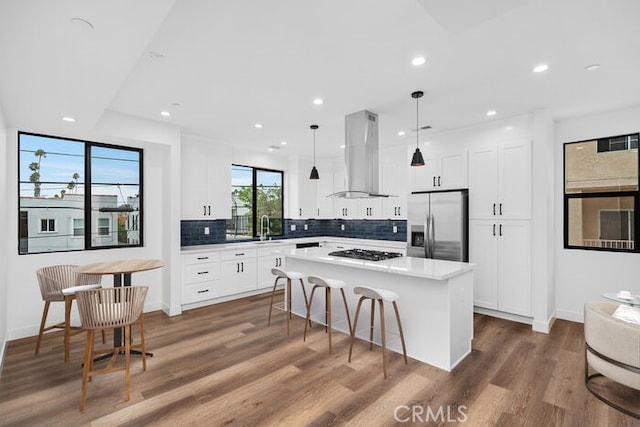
(583, 275)
(161, 144)
(3, 238)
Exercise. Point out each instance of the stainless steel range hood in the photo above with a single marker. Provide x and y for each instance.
(361, 156)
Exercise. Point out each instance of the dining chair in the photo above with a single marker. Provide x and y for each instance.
(104, 308)
(60, 283)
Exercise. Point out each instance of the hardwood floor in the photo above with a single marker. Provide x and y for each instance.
(222, 365)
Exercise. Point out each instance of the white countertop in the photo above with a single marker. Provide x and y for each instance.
(409, 266)
(354, 243)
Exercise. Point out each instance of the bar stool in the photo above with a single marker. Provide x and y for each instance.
(327, 284)
(380, 295)
(289, 275)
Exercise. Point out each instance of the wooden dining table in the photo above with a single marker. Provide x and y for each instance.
(121, 271)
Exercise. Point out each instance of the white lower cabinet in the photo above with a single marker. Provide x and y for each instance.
(239, 271)
(201, 277)
(501, 252)
(269, 258)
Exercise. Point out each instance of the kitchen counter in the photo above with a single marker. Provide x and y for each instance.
(408, 266)
(435, 301)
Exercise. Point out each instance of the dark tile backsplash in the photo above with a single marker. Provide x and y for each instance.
(192, 231)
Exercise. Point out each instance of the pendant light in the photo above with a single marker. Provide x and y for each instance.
(314, 171)
(417, 159)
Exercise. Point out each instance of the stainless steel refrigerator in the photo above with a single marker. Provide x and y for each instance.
(437, 225)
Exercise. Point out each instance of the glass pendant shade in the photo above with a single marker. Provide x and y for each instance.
(314, 171)
(417, 159)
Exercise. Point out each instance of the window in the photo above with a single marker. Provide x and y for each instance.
(104, 226)
(601, 194)
(78, 227)
(257, 203)
(68, 183)
(47, 225)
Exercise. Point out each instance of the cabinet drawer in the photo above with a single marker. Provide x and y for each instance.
(201, 291)
(238, 254)
(201, 258)
(201, 272)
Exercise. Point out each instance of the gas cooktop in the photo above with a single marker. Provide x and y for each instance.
(366, 254)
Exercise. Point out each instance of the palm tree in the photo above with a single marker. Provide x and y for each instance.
(35, 168)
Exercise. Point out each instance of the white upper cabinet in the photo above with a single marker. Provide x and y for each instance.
(302, 191)
(343, 208)
(444, 169)
(206, 180)
(500, 181)
(393, 181)
(324, 204)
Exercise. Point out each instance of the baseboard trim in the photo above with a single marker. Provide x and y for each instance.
(542, 326)
(3, 351)
(570, 315)
(503, 315)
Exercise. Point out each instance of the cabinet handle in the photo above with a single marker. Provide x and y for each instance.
(500, 209)
(203, 257)
(494, 209)
(346, 211)
(203, 272)
(300, 211)
(434, 181)
(500, 230)
(242, 264)
(494, 229)
(202, 291)
(209, 210)
(439, 182)
(240, 254)
(399, 211)
(395, 210)
(318, 211)
(204, 209)
(237, 267)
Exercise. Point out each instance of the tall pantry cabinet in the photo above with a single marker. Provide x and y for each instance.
(500, 226)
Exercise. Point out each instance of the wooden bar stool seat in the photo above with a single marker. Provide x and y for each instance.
(288, 276)
(382, 296)
(328, 285)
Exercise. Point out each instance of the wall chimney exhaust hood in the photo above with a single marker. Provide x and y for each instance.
(361, 156)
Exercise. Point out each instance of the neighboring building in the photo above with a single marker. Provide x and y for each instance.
(57, 223)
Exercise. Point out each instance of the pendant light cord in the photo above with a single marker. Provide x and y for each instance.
(417, 122)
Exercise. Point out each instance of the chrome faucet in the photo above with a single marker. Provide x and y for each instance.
(262, 227)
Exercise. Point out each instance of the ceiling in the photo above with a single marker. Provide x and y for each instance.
(221, 66)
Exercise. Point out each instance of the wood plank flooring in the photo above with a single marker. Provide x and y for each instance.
(222, 365)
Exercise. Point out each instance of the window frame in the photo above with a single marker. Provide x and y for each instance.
(87, 202)
(567, 197)
(255, 223)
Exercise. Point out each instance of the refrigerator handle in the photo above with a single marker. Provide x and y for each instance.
(432, 237)
(427, 221)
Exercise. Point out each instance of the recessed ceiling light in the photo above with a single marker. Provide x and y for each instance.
(69, 119)
(509, 127)
(418, 60)
(318, 101)
(342, 146)
(491, 113)
(283, 142)
(427, 143)
(271, 148)
(540, 68)
(258, 126)
(401, 133)
(165, 113)
(592, 67)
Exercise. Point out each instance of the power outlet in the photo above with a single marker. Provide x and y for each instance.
(293, 227)
(206, 230)
(395, 228)
(306, 227)
(342, 227)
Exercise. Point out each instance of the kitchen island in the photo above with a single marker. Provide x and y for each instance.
(436, 301)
